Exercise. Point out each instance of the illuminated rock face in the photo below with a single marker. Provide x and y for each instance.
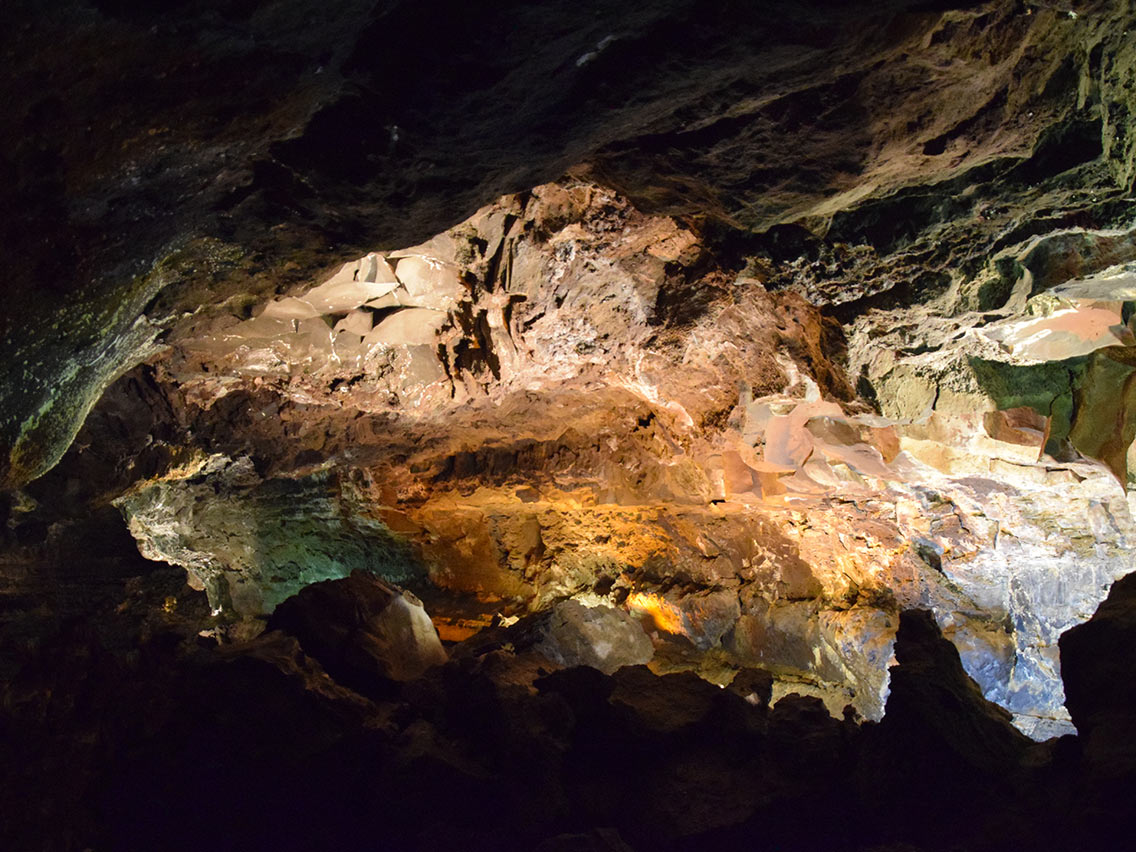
(820, 326)
(870, 145)
(676, 334)
(1002, 405)
(520, 410)
(249, 543)
(602, 637)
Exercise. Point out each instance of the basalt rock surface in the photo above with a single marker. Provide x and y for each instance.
(563, 397)
(1097, 660)
(869, 148)
(735, 355)
(361, 628)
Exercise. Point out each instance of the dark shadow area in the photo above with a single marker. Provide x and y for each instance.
(181, 744)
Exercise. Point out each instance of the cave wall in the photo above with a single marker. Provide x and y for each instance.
(258, 144)
(785, 345)
(762, 327)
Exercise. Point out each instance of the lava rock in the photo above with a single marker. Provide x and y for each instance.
(930, 689)
(941, 745)
(602, 637)
(1098, 663)
(754, 685)
(362, 629)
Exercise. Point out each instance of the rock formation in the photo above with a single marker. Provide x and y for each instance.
(568, 412)
(557, 433)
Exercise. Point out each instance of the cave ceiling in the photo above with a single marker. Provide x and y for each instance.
(161, 164)
(708, 335)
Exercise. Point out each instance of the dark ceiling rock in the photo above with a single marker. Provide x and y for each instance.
(158, 165)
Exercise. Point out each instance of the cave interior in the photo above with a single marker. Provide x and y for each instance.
(606, 427)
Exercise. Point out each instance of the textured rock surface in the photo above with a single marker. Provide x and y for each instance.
(915, 139)
(560, 427)
(250, 544)
(602, 637)
(361, 629)
(749, 332)
(614, 485)
(578, 399)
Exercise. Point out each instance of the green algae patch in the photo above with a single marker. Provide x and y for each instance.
(1091, 401)
(56, 377)
(252, 543)
(1106, 411)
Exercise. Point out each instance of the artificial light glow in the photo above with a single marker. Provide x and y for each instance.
(666, 615)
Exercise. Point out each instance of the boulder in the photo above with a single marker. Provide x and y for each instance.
(360, 628)
(602, 637)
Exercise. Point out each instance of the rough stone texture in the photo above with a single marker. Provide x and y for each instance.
(251, 544)
(532, 516)
(879, 111)
(602, 637)
(1000, 394)
(361, 628)
(763, 328)
(596, 407)
(567, 428)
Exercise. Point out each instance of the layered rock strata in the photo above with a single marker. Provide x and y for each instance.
(563, 397)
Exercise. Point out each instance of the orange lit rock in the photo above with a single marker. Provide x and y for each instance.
(538, 414)
(662, 613)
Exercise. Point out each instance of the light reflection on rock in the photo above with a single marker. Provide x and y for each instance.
(503, 395)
